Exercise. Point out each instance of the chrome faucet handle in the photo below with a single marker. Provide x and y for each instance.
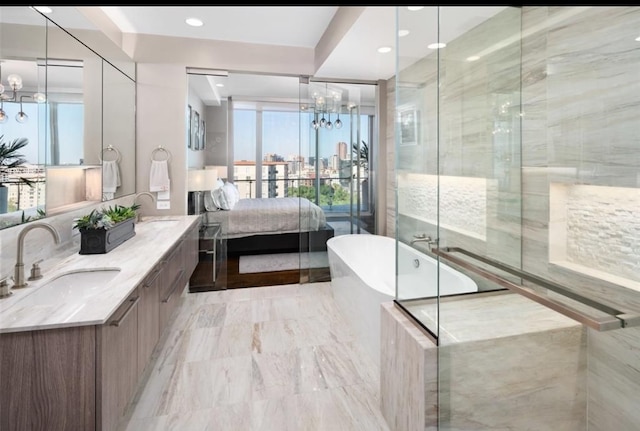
(36, 273)
(5, 289)
(420, 235)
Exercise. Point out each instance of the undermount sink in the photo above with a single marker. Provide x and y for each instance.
(75, 285)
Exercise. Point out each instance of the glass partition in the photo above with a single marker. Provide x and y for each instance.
(517, 170)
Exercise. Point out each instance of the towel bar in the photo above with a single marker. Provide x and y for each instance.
(111, 148)
(615, 318)
(159, 149)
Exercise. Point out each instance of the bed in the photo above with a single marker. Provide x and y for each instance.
(272, 225)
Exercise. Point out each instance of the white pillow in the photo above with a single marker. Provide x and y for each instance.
(231, 194)
(216, 200)
(219, 199)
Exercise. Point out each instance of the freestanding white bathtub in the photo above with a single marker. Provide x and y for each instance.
(363, 273)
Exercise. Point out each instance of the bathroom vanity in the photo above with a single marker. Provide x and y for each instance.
(74, 362)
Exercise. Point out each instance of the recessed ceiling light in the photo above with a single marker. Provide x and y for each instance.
(473, 58)
(436, 45)
(402, 33)
(638, 38)
(194, 22)
(43, 9)
(384, 49)
(219, 85)
(414, 8)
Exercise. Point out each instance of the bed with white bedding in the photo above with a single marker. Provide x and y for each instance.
(269, 225)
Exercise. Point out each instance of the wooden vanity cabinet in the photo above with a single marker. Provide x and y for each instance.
(48, 379)
(192, 249)
(180, 264)
(84, 378)
(149, 316)
(172, 282)
(117, 356)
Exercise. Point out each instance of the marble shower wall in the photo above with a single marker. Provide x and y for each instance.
(581, 103)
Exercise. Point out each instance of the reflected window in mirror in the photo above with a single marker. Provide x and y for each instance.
(66, 57)
(23, 111)
(66, 112)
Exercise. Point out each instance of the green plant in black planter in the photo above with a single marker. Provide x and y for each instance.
(105, 229)
(106, 218)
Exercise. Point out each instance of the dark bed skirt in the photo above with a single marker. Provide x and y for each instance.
(280, 243)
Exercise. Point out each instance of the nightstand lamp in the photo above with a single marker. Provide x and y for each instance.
(199, 181)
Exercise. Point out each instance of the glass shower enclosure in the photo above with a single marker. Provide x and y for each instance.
(337, 143)
(518, 174)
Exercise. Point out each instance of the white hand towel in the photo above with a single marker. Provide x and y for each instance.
(159, 176)
(110, 176)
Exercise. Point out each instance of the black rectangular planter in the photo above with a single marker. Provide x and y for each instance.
(99, 241)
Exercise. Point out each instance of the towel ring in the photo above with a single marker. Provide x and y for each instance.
(160, 148)
(110, 148)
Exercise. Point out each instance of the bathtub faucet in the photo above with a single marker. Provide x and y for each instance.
(423, 237)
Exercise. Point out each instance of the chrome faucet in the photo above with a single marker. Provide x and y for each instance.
(18, 278)
(423, 237)
(153, 199)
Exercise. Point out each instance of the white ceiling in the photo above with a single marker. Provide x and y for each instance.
(355, 57)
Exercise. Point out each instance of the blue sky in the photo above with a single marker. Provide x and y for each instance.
(281, 133)
(70, 137)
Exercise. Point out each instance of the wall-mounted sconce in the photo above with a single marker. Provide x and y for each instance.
(15, 83)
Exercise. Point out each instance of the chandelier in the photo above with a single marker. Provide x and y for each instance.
(324, 104)
(15, 83)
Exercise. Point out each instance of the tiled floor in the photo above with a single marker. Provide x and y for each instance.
(270, 358)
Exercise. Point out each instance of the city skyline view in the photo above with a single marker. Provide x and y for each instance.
(282, 132)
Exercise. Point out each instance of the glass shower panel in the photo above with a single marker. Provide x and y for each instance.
(536, 189)
(416, 130)
(479, 196)
(310, 181)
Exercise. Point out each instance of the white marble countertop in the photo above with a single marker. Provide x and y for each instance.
(136, 257)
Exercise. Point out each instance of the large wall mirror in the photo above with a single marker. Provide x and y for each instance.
(74, 106)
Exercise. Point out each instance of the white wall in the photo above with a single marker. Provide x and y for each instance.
(162, 99)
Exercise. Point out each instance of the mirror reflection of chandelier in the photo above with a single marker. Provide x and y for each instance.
(324, 104)
(15, 83)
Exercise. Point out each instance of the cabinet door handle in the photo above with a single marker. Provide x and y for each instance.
(155, 276)
(132, 304)
(175, 286)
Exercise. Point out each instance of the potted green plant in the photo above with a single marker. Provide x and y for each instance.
(103, 230)
(10, 158)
